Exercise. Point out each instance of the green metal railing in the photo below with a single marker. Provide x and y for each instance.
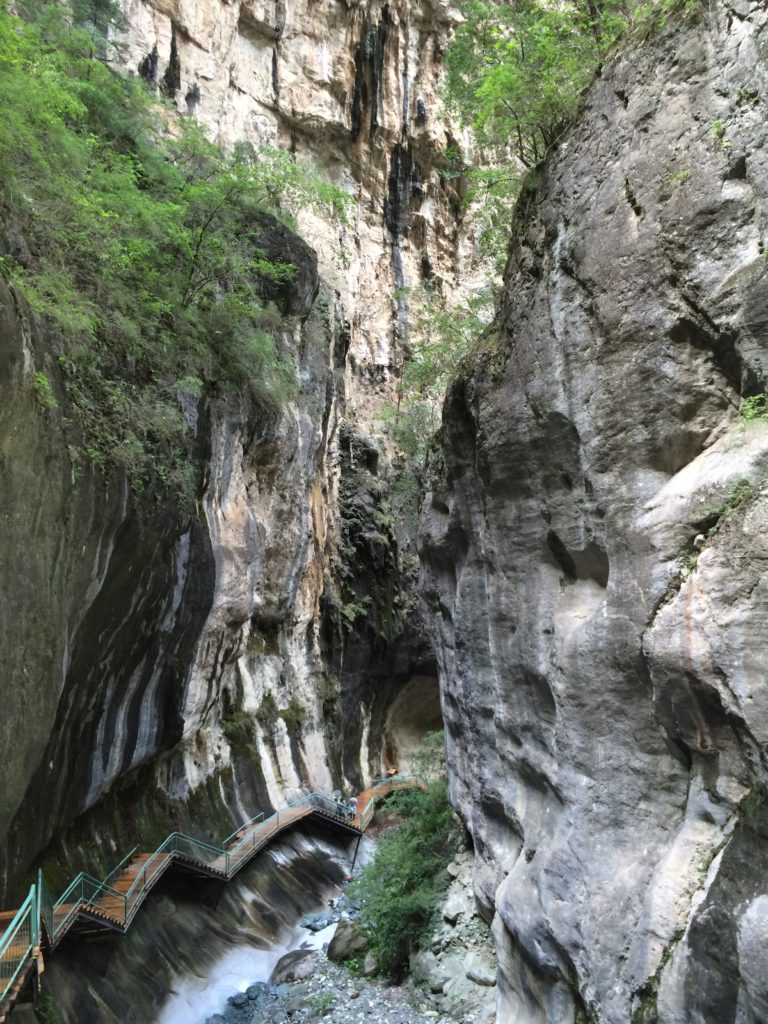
(19, 942)
(97, 898)
(241, 828)
(45, 901)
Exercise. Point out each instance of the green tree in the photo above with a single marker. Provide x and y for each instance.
(516, 70)
(140, 246)
(401, 888)
(516, 75)
(443, 337)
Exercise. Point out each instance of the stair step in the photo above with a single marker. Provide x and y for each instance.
(111, 908)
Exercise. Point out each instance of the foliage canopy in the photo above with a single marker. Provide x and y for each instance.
(516, 75)
(136, 238)
(401, 888)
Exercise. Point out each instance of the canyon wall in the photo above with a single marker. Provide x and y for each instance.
(120, 613)
(594, 552)
(355, 88)
(172, 669)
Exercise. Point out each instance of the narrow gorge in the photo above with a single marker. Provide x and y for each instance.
(566, 573)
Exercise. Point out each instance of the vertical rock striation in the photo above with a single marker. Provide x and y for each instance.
(223, 661)
(355, 88)
(134, 632)
(594, 553)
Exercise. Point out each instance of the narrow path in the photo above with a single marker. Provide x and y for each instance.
(90, 904)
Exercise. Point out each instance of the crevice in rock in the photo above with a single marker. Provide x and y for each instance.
(737, 169)
(368, 91)
(192, 99)
(172, 78)
(703, 334)
(253, 28)
(588, 563)
(414, 712)
(632, 200)
(148, 67)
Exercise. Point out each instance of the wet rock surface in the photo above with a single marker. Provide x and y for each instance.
(185, 931)
(453, 980)
(335, 996)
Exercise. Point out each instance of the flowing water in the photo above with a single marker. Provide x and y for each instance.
(196, 999)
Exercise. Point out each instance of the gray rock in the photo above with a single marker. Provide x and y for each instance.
(480, 969)
(296, 965)
(296, 997)
(347, 941)
(428, 970)
(605, 714)
(316, 922)
(753, 960)
(458, 903)
(370, 965)
(238, 1000)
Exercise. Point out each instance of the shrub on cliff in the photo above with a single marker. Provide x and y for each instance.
(137, 239)
(516, 76)
(401, 888)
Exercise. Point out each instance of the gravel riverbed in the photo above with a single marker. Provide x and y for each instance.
(333, 995)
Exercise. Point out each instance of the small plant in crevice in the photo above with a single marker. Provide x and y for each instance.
(237, 727)
(351, 611)
(737, 495)
(329, 696)
(46, 1011)
(717, 134)
(41, 385)
(294, 714)
(673, 182)
(755, 407)
(322, 1001)
(711, 521)
(267, 712)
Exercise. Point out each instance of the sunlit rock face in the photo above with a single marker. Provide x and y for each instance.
(309, 610)
(594, 564)
(355, 88)
(228, 660)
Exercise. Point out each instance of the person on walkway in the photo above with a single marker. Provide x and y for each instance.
(352, 806)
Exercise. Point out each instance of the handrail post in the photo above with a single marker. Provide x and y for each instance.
(35, 892)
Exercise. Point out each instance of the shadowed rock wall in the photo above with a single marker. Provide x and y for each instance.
(123, 622)
(594, 553)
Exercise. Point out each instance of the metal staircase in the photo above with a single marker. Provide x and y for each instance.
(113, 903)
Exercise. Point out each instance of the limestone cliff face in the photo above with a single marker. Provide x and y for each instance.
(200, 669)
(594, 554)
(354, 87)
(124, 620)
